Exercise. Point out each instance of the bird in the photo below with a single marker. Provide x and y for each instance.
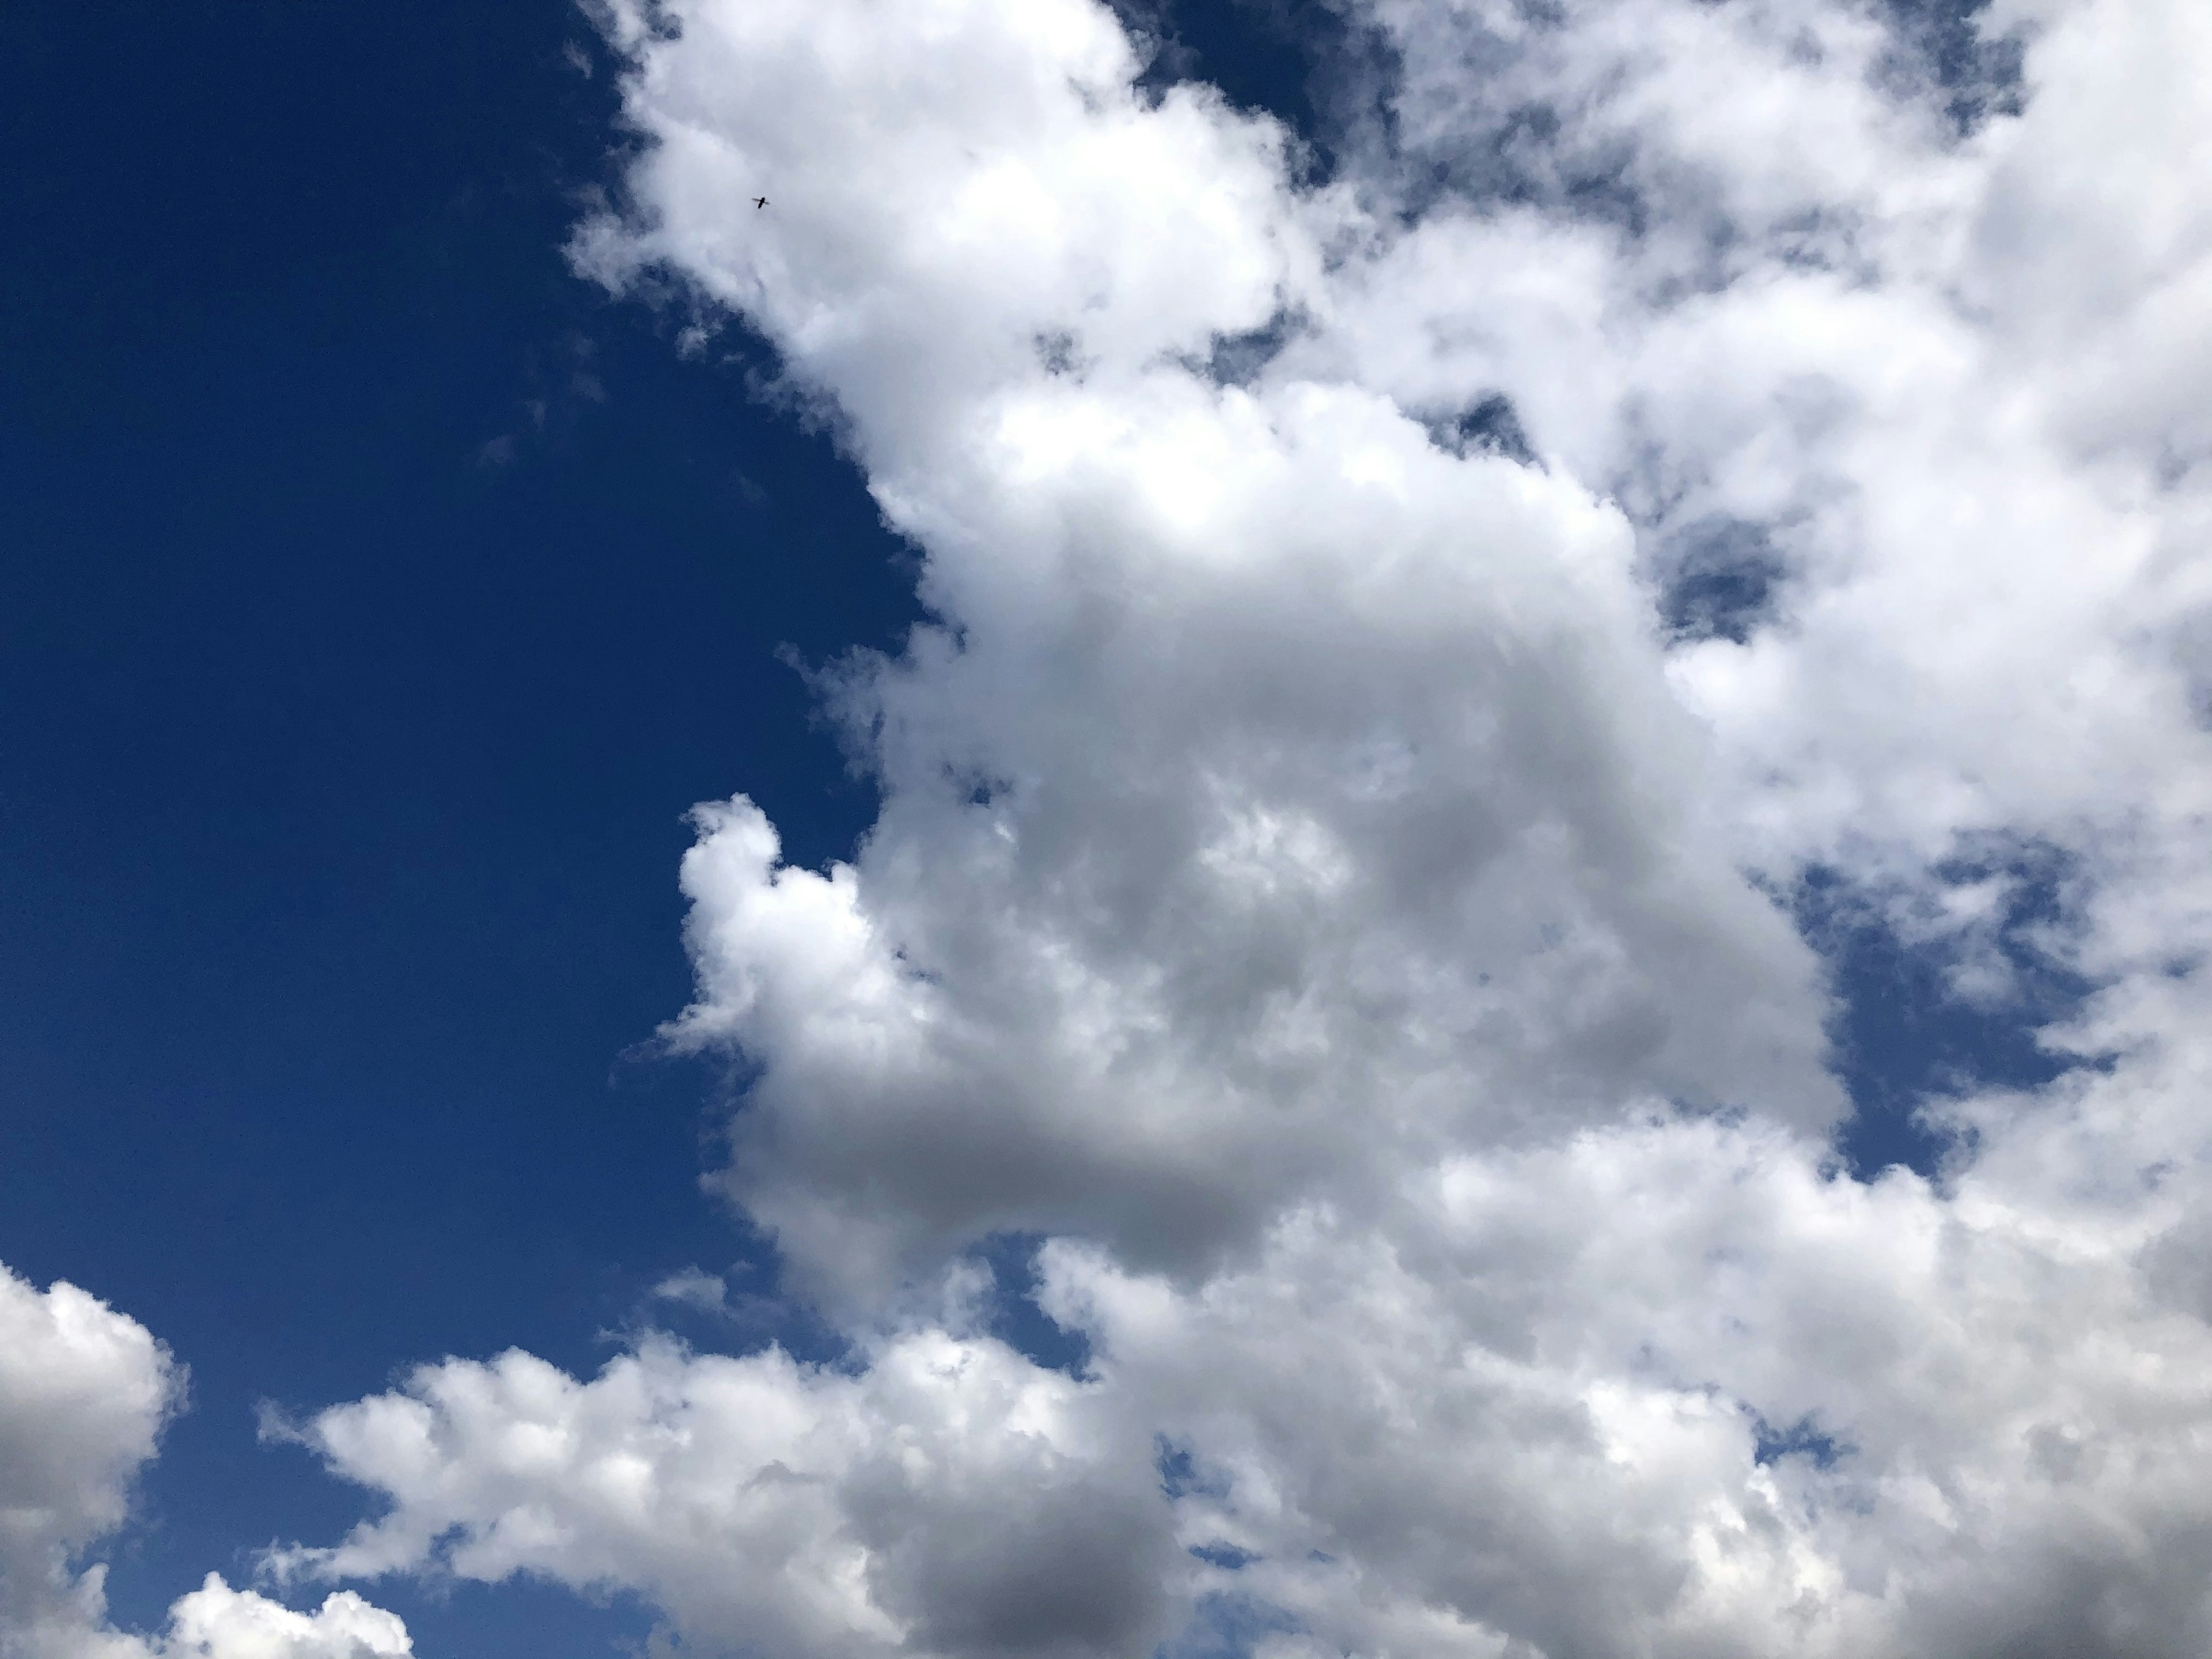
(760, 202)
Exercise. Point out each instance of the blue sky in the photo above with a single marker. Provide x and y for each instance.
(345, 755)
(378, 593)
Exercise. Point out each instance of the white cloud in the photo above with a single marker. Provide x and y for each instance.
(1921, 363)
(84, 1392)
(1531, 1409)
(695, 1288)
(217, 1622)
(1314, 889)
(935, 1499)
(1324, 767)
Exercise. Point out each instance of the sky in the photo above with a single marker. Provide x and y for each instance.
(1370, 827)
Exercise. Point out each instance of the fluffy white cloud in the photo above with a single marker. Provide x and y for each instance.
(1938, 375)
(1662, 1389)
(1285, 797)
(217, 1622)
(1326, 879)
(935, 1498)
(84, 1391)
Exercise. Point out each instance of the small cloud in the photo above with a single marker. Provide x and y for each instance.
(275, 1426)
(697, 1289)
(564, 384)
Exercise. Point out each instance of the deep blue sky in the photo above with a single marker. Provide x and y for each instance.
(374, 598)
(348, 708)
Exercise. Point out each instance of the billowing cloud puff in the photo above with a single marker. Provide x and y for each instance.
(1285, 796)
(84, 1391)
(217, 1622)
(762, 1500)
(1400, 645)
(83, 1394)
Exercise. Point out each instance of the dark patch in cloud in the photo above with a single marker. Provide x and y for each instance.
(1227, 1556)
(1491, 426)
(1039, 1570)
(2177, 1264)
(1718, 579)
(1059, 351)
(1516, 155)
(1799, 1439)
(1229, 1626)
(1906, 1036)
(1726, 603)
(1241, 359)
(1015, 1317)
(1979, 76)
(1180, 1473)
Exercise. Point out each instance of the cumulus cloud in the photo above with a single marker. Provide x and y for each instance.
(217, 1622)
(1284, 796)
(760, 1499)
(1400, 645)
(84, 1392)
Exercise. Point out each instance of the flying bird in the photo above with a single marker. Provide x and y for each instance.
(760, 202)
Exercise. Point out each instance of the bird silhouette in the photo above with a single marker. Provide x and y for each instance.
(760, 202)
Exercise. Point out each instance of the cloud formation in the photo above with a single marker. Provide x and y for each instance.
(1400, 644)
(84, 1392)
